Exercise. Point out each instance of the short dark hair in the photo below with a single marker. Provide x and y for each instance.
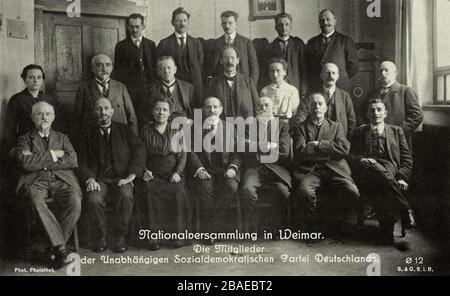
(228, 47)
(278, 61)
(229, 13)
(377, 101)
(31, 67)
(178, 11)
(327, 9)
(137, 16)
(159, 98)
(278, 17)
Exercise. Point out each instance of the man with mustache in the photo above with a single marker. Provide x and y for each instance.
(320, 152)
(179, 92)
(248, 65)
(47, 160)
(265, 170)
(331, 47)
(236, 92)
(186, 50)
(102, 86)
(215, 169)
(405, 110)
(382, 164)
(339, 102)
(135, 62)
(111, 156)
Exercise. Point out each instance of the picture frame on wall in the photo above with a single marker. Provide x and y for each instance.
(265, 9)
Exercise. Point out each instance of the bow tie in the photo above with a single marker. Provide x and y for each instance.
(230, 78)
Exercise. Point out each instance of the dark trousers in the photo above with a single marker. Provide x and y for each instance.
(59, 225)
(383, 190)
(214, 196)
(307, 202)
(277, 192)
(122, 201)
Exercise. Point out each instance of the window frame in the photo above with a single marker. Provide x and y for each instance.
(439, 71)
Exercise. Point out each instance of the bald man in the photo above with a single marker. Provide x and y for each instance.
(331, 46)
(339, 103)
(102, 86)
(401, 102)
(273, 140)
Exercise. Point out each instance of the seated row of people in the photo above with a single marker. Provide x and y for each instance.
(112, 160)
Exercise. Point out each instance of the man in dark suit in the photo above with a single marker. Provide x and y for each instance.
(382, 165)
(111, 156)
(236, 92)
(339, 103)
(102, 86)
(265, 163)
(331, 47)
(215, 169)
(291, 49)
(186, 50)
(47, 160)
(401, 101)
(179, 92)
(248, 65)
(134, 61)
(320, 149)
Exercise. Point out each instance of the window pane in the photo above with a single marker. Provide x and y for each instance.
(440, 89)
(442, 41)
(447, 88)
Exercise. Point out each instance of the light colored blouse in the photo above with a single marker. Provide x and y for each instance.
(285, 97)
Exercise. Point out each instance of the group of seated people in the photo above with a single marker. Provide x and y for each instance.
(282, 142)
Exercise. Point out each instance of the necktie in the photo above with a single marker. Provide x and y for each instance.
(167, 88)
(45, 138)
(105, 90)
(183, 45)
(283, 44)
(383, 92)
(105, 134)
(137, 42)
(228, 41)
(325, 42)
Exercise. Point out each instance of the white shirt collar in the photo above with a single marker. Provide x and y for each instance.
(108, 129)
(329, 34)
(331, 90)
(284, 38)
(379, 128)
(43, 135)
(178, 35)
(232, 35)
(171, 84)
(134, 39)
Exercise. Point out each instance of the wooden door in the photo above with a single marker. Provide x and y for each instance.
(69, 45)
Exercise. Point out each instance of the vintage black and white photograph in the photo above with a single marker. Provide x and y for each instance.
(224, 138)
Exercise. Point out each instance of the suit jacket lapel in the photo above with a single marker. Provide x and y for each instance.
(324, 130)
(389, 138)
(309, 129)
(239, 86)
(368, 139)
(183, 93)
(37, 141)
(94, 89)
(52, 140)
(338, 102)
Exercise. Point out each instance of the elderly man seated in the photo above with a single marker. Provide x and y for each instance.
(47, 160)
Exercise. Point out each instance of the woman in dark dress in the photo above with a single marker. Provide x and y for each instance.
(163, 176)
(18, 113)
